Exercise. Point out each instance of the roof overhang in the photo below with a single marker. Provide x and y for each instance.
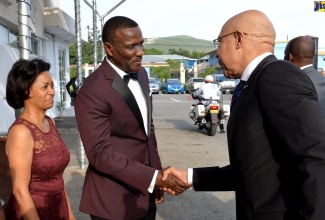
(60, 24)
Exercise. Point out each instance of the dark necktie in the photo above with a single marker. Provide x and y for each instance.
(237, 91)
(128, 76)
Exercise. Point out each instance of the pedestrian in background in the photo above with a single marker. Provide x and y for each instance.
(300, 51)
(275, 131)
(36, 153)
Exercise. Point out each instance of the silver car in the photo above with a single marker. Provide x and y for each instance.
(154, 85)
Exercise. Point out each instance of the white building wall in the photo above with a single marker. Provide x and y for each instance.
(48, 46)
(7, 114)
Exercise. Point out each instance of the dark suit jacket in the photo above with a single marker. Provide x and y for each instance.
(319, 82)
(122, 158)
(276, 140)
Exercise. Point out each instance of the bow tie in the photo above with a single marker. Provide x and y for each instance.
(127, 77)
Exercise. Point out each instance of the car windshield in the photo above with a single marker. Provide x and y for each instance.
(227, 79)
(222, 78)
(152, 81)
(173, 81)
(198, 80)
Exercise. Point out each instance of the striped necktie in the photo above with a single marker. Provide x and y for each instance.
(237, 91)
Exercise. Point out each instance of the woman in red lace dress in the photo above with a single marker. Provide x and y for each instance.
(36, 153)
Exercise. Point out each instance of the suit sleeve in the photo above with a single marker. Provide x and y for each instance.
(213, 179)
(296, 127)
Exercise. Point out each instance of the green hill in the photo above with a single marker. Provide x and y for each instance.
(176, 42)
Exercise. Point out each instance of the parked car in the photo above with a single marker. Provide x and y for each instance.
(227, 84)
(193, 84)
(173, 86)
(154, 85)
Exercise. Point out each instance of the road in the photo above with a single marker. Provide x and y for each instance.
(180, 144)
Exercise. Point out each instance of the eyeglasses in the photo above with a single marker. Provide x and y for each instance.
(217, 41)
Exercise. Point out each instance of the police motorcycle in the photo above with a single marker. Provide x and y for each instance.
(208, 114)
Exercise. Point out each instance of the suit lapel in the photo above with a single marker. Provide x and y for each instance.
(147, 99)
(121, 88)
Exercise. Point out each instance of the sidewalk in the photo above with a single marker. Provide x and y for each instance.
(73, 175)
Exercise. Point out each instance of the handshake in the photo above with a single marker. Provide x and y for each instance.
(172, 180)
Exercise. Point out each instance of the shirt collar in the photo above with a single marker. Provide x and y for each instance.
(304, 67)
(118, 70)
(252, 65)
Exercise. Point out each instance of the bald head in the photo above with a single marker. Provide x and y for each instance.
(248, 35)
(255, 24)
(300, 51)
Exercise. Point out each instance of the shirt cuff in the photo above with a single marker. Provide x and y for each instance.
(190, 177)
(153, 181)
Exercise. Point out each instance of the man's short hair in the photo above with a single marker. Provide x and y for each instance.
(114, 24)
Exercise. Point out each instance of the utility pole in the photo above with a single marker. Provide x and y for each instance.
(101, 18)
(24, 39)
(82, 155)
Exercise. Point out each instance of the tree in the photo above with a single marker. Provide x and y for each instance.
(180, 52)
(161, 73)
(208, 71)
(153, 51)
(194, 54)
(197, 55)
(87, 50)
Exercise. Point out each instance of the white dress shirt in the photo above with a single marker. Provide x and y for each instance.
(137, 92)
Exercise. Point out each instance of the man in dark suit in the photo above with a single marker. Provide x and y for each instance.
(115, 123)
(300, 51)
(276, 130)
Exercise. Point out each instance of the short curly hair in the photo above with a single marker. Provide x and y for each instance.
(114, 24)
(20, 79)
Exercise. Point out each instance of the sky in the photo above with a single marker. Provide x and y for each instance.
(203, 19)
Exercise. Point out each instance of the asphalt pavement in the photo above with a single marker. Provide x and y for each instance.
(73, 175)
(180, 144)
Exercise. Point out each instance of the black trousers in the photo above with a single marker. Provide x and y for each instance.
(151, 214)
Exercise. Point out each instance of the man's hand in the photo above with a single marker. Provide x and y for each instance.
(159, 195)
(171, 183)
(181, 174)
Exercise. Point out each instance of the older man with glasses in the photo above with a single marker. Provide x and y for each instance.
(275, 131)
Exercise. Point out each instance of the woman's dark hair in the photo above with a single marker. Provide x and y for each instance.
(115, 23)
(20, 78)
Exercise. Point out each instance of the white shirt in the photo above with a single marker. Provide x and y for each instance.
(304, 67)
(207, 91)
(245, 76)
(137, 92)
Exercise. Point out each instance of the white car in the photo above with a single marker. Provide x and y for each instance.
(193, 84)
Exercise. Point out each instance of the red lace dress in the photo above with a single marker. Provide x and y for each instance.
(50, 158)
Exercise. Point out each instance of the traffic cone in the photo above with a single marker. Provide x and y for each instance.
(189, 98)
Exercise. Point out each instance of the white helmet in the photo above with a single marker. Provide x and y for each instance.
(208, 78)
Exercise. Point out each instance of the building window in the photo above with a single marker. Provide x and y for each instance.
(62, 72)
(8, 36)
(3, 34)
(34, 46)
(13, 39)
